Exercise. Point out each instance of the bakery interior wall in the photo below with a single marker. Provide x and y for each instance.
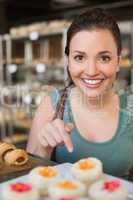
(30, 65)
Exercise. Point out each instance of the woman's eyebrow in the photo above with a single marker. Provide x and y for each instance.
(104, 52)
(77, 51)
(100, 53)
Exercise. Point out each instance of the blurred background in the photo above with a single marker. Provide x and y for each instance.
(32, 42)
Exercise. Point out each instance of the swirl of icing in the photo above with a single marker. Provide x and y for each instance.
(111, 185)
(20, 187)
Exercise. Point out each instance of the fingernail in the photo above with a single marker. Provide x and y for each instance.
(70, 149)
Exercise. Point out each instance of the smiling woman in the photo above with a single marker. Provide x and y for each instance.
(94, 120)
(93, 69)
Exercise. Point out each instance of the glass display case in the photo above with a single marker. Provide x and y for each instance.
(33, 57)
(124, 78)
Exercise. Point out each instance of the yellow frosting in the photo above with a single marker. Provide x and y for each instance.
(67, 185)
(86, 164)
(47, 172)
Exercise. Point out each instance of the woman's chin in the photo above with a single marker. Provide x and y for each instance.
(93, 94)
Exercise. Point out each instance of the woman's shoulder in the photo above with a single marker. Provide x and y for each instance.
(126, 98)
(54, 95)
(49, 99)
(45, 111)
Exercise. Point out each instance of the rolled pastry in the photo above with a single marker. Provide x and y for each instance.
(16, 157)
(4, 148)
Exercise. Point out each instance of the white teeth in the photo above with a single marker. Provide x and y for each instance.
(92, 82)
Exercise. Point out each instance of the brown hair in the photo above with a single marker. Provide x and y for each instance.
(93, 19)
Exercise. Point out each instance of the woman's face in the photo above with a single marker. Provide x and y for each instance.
(93, 61)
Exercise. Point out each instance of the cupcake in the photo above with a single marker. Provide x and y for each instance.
(87, 170)
(19, 191)
(41, 177)
(66, 189)
(108, 190)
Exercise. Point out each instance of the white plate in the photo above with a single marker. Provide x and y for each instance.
(65, 171)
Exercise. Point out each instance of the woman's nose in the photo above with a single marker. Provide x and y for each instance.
(91, 68)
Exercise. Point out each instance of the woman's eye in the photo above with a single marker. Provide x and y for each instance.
(105, 59)
(78, 58)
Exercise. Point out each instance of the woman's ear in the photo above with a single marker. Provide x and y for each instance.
(119, 63)
(118, 68)
(119, 59)
(66, 60)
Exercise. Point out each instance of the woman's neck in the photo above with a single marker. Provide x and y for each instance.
(98, 103)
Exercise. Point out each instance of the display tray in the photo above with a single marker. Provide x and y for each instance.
(7, 169)
(9, 172)
(65, 172)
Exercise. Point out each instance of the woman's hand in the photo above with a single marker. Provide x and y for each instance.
(47, 132)
(55, 133)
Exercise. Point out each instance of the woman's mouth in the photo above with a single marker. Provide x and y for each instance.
(92, 83)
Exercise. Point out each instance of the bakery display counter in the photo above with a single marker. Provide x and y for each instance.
(34, 162)
(16, 162)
